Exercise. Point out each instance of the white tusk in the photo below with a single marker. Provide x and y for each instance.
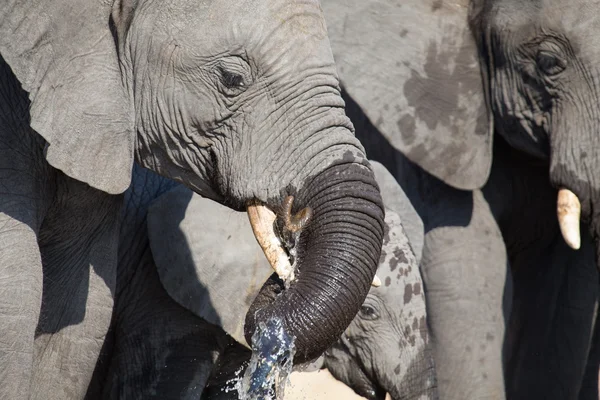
(568, 209)
(376, 281)
(261, 220)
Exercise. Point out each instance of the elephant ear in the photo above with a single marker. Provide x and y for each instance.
(412, 66)
(64, 55)
(396, 200)
(207, 258)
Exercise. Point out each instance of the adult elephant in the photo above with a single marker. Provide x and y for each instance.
(430, 83)
(189, 270)
(239, 102)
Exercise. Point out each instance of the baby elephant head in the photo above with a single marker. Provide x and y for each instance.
(386, 348)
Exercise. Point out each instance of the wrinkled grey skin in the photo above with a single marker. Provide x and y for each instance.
(386, 347)
(239, 101)
(428, 112)
(190, 260)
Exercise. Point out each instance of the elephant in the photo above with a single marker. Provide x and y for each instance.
(240, 102)
(366, 356)
(478, 108)
(189, 269)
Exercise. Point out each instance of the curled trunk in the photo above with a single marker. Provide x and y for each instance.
(336, 258)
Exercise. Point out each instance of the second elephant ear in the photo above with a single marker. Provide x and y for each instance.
(412, 67)
(64, 55)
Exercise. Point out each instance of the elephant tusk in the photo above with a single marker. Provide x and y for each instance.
(376, 281)
(295, 223)
(262, 220)
(568, 209)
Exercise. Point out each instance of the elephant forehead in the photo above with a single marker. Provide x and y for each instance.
(276, 28)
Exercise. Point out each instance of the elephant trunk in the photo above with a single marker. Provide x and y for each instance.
(336, 256)
(574, 162)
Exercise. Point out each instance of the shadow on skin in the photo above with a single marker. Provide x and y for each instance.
(155, 345)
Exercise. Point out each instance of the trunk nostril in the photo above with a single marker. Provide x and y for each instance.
(295, 222)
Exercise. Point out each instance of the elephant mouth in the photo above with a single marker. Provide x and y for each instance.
(279, 252)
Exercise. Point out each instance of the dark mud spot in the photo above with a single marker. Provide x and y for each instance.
(417, 288)
(386, 233)
(444, 95)
(406, 125)
(408, 293)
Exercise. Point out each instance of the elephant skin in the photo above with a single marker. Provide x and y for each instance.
(197, 270)
(428, 84)
(186, 89)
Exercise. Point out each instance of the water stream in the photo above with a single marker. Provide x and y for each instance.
(271, 363)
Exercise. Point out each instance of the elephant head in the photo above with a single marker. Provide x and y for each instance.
(195, 242)
(444, 76)
(239, 101)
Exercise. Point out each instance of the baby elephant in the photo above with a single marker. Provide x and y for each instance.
(178, 298)
(386, 347)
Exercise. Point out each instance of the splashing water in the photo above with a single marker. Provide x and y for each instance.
(271, 363)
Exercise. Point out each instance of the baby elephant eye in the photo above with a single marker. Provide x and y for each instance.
(549, 63)
(231, 80)
(368, 313)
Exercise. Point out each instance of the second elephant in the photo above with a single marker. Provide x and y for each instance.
(482, 111)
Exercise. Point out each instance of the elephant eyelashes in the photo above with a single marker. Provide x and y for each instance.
(234, 74)
(231, 80)
(549, 63)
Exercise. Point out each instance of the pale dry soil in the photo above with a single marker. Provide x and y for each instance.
(318, 385)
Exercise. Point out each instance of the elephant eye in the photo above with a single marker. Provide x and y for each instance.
(368, 313)
(549, 63)
(231, 80)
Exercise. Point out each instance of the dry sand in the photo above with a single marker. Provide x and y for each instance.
(318, 385)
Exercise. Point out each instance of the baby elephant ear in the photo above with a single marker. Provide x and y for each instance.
(412, 67)
(64, 55)
(207, 258)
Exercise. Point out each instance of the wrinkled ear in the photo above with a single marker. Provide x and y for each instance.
(412, 66)
(207, 258)
(396, 200)
(122, 15)
(64, 55)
